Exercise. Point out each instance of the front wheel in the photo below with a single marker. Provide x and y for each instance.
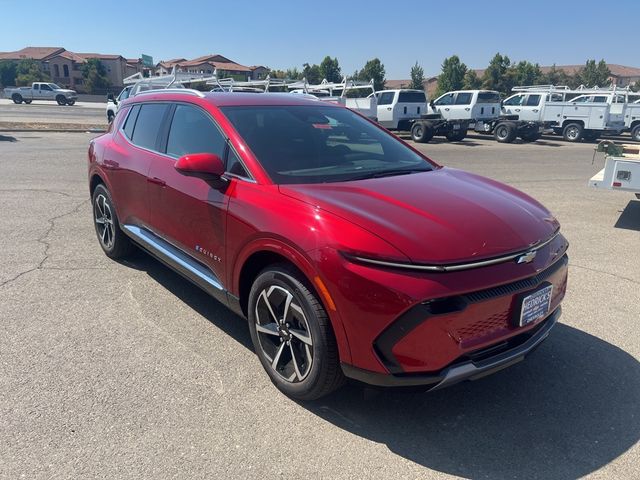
(572, 132)
(292, 335)
(61, 100)
(505, 133)
(635, 133)
(113, 241)
(421, 132)
(110, 116)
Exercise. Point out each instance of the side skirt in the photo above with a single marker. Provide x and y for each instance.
(178, 260)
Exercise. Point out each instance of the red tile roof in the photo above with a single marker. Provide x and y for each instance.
(101, 56)
(37, 53)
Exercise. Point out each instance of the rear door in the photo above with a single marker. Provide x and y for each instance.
(385, 109)
(186, 211)
(35, 91)
(410, 104)
(530, 110)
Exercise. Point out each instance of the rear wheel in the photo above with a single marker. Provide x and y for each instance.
(572, 132)
(61, 100)
(421, 132)
(292, 335)
(504, 132)
(17, 98)
(635, 133)
(113, 241)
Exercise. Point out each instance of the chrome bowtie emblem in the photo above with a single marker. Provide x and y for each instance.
(526, 258)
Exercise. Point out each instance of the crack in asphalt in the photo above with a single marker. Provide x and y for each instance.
(37, 190)
(43, 240)
(595, 270)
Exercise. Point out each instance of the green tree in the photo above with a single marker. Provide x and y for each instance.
(417, 77)
(95, 75)
(556, 76)
(330, 69)
(7, 73)
(312, 73)
(372, 70)
(471, 81)
(594, 74)
(28, 71)
(523, 73)
(495, 76)
(452, 76)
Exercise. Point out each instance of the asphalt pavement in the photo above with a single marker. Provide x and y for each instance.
(125, 370)
(45, 112)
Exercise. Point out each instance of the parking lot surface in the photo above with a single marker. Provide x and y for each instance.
(43, 111)
(125, 370)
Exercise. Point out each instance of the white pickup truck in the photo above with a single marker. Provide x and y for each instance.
(41, 91)
(593, 112)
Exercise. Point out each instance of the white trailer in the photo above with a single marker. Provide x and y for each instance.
(621, 169)
(576, 114)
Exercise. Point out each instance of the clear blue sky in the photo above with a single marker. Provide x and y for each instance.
(286, 34)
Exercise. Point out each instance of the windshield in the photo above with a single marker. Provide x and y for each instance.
(319, 144)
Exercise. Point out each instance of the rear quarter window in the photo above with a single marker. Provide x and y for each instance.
(131, 121)
(464, 98)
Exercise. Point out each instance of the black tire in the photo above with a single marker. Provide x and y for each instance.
(421, 132)
(504, 132)
(572, 132)
(61, 100)
(71, 102)
(28, 102)
(531, 136)
(17, 98)
(456, 135)
(307, 366)
(113, 241)
(110, 116)
(635, 133)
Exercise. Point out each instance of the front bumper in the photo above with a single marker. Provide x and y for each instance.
(474, 366)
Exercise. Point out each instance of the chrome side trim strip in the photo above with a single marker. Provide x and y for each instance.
(175, 258)
(458, 267)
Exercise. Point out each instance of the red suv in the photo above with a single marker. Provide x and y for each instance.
(350, 253)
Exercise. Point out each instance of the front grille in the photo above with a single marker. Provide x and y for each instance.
(511, 288)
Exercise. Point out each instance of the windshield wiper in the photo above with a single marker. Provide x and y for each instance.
(389, 173)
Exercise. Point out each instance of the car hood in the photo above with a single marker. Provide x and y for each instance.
(442, 216)
(64, 90)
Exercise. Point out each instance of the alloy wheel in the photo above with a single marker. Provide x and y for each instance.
(104, 221)
(283, 334)
(572, 133)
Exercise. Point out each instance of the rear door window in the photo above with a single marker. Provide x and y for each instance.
(145, 132)
(193, 131)
(386, 98)
(464, 98)
(533, 100)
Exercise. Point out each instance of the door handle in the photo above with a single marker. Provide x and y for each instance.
(156, 181)
(467, 109)
(535, 110)
(389, 108)
(517, 109)
(446, 109)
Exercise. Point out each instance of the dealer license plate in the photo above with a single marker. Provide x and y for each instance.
(536, 306)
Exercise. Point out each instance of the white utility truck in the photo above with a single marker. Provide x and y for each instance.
(621, 168)
(41, 91)
(406, 110)
(483, 109)
(576, 114)
(338, 93)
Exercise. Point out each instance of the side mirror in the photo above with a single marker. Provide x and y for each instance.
(206, 166)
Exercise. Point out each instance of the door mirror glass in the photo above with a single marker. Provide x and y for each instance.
(207, 166)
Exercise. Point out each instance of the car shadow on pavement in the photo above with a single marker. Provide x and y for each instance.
(569, 409)
(8, 138)
(629, 219)
(214, 311)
